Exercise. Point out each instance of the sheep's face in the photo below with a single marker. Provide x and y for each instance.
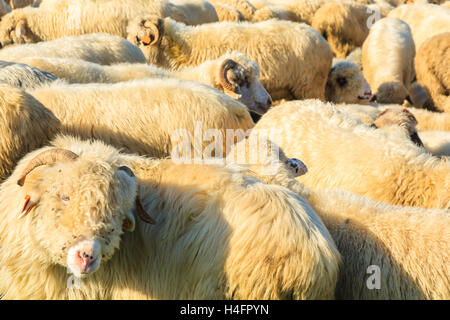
(239, 78)
(345, 83)
(391, 92)
(147, 32)
(81, 209)
(14, 30)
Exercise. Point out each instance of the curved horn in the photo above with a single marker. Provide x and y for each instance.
(224, 67)
(147, 39)
(46, 158)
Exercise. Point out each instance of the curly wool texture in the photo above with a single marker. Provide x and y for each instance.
(97, 48)
(388, 60)
(432, 66)
(145, 116)
(424, 20)
(294, 59)
(341, 152)
(220, 234)
(25, 125)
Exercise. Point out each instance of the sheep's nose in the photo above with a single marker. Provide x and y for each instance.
(86, 259)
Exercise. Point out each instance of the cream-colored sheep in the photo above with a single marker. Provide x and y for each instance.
(155, 117)
(98, 48)
(368, 233)
(274, 12)
(76, 17)
(294, 59)
(418, 95)
(25, 125)
(388, 60)
(219, 233)
(196, 11)
(232, 70)
(345, 83)
(244, 7)
(344, 25)
(23, 76)
(355, 56)
(424, 20)
(342, 152)
(433, 73)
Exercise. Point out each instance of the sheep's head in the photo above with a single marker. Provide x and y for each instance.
(391, 92)
(14, 29)
(399, 118)
(238, 77)
(345, 83)
(78, 208)
(147, 32)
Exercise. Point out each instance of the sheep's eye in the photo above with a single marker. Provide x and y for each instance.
(65, 198)
(341, 81)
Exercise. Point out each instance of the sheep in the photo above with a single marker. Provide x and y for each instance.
(370, 233)
(446, 4)
(344, 25)
(436, 142)
(196, 11)
(97, 48)
(154, 117)
(252, 240)
(384, 166)
(345, 83)
(244, 7)
(424, 20)
(232, 69)
(25, 125)
(417, 94)
(274, 12)
(23, 76)
(388, 60)
(432, 67)
(294, 59)
(355, 56)
(68, 18)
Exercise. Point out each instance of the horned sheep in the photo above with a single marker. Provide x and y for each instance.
(432, 67)
(252, 240)
(25, 125)
(301, 72)
(384, 166)
(98, 48)
(233, 74)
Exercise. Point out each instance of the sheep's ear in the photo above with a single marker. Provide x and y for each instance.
(31, 200)
(151, 32)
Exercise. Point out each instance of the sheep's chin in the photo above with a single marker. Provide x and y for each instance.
(73, 269)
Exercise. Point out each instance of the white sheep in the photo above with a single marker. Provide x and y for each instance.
(244, 7)
(98, 48)
(23, 76)
(388, 60)
(61, 18)
(25, 125)
(196, 11)
(217, 234)
(231, 71)
(424, 20)
(433, 73)
(294, 59)
(155, 117)
(342, 152)
(436, 142)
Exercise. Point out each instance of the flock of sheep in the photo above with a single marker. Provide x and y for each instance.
(353, 96)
